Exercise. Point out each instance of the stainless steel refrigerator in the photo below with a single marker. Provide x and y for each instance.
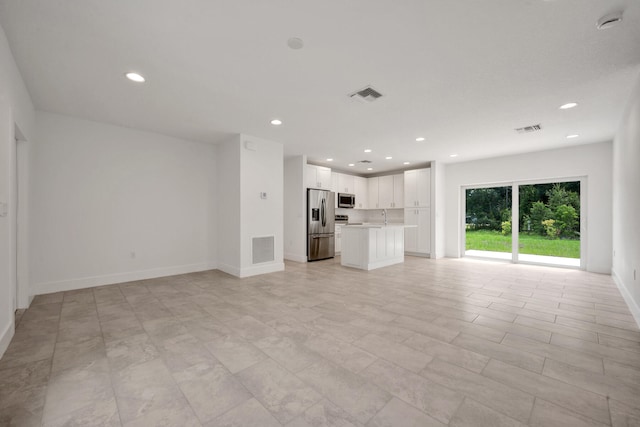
(320, 224)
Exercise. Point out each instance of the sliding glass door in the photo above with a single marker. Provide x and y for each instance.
(549, 223)
(488, 211)
(548, 220)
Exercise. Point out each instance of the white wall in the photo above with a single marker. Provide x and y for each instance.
(295, 209)
(626, 205)
(438, 205)
(593, 161)
(112, 204)
(16, 109)
(250, 166)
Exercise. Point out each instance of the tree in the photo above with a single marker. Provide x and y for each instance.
(485, 206)
(559, 195)
(539, 212)
(566, 220)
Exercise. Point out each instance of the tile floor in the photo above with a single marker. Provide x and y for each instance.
(425, 343)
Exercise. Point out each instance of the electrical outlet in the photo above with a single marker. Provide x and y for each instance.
(133, 255)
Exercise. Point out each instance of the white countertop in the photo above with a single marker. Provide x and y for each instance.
(377, 225)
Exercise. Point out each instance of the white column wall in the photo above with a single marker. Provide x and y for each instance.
(262, 172)
(229, 205)
(249, 166)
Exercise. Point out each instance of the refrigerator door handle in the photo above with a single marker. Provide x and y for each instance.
(323, 213)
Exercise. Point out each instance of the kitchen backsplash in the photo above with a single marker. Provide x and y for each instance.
(372, 215)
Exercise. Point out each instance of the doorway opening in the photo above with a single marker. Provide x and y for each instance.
(548, 220)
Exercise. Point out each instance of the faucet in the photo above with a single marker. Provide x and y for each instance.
(384, 214)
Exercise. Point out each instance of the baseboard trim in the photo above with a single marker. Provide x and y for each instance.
(261, 269)
(6, 337)
(110, 279)
(418, 254)
(295, 257)
(633, 305)
(229, 269)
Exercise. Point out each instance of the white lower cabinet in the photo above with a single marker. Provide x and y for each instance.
(338, 239)
(368, 248)
(417, 240)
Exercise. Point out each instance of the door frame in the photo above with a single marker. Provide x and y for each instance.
(19, 212)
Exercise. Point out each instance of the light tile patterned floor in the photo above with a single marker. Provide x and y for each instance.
(426, 343)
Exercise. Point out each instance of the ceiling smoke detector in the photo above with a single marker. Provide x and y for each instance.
(528, 129)
(366, 94)
(295, 43)
(609, 21)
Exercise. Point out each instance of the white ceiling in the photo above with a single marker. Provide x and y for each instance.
(463, 74)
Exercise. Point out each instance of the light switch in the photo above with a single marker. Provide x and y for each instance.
(263, 195)
(3, 209)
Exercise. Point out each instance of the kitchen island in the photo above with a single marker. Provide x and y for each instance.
(371, 246)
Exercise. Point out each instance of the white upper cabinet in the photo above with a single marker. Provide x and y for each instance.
(361, 190)
(398, 191)
(351, 184)
(417, 188)
(318, 177)
(346, 183)
(372, 185)
(335, 183)
(386, 192)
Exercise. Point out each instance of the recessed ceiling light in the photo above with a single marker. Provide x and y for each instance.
(276, 122)
(388, 158)
(419, 139)
(568, 105)
(369, 169)
(135, 77)
(329, 160)
(406, 163)
(352, 164)
(453, 155)
(368, 150)
(295, 43)
(572, 136)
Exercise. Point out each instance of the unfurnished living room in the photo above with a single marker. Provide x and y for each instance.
(304, 214)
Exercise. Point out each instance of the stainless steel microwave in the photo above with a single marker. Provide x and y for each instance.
(346, 200)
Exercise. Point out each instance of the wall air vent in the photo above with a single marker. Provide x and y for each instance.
(366, 94)
(262, 249)
(529, 129)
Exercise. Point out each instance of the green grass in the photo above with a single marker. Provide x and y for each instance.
(485, 240)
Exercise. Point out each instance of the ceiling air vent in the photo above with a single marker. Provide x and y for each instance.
(366, 94)
(365, 161)
(528, 129)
